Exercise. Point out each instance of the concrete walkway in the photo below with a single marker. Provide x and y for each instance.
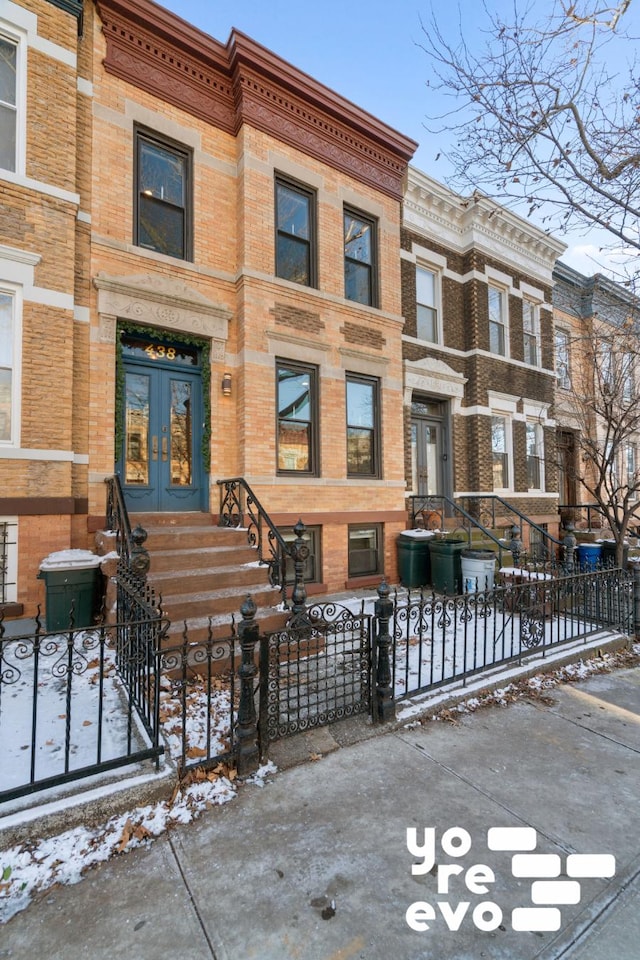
(315, 865)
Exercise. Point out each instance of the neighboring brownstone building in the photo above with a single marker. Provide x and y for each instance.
(479, 371)
(43, 333)
(209, 287)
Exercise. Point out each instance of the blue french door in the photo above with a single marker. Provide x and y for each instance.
(161, 461)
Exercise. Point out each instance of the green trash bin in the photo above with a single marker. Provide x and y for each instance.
(71, 584)
(414, 560)
(446, 566)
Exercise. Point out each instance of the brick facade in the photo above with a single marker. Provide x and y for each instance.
(467, 248)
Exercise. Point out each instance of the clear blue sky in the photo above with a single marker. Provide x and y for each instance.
(369, 52)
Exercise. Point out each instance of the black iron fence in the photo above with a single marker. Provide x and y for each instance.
(78, 703)
(439, 639)
(66, 712)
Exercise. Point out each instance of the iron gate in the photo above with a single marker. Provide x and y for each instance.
(314, 671)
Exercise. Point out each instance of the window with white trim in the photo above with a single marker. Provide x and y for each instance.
(427, 304)
(535, 456)
(562, 359)
(501, 452)
(498, 330)
(7, 365)
(531, 332)
(631, 460)
(9, 63)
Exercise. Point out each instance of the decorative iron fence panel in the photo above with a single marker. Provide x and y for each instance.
(198, 704)
(315, 671)
(65, 706)
(439, 639)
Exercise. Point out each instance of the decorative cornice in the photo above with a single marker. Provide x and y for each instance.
(243, 82)
(469, 222)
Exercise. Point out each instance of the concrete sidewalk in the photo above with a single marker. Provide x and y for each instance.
(315, 865)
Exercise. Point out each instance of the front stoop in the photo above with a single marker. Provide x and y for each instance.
(202, 573)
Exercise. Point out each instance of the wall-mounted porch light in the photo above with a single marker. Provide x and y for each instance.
(226, 384)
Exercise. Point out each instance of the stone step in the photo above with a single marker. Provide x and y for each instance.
(193, 537)
(202, 557)
(269, 619)
(186, 519)
(181, 581)
(212, 603)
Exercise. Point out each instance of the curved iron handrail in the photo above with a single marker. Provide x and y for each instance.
(237, 499)
(129, 543)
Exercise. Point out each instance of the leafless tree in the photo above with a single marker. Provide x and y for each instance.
(545, 111)
(604, 406)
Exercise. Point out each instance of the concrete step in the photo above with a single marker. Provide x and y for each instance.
(186, 519)
(193, 537)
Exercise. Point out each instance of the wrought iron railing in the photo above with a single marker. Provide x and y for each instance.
(74, 705)
(134, 557)
(437, 511)
(438, 640)
(485, 514)
(240, 507)
(497, 510)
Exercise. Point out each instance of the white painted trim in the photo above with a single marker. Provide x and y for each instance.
(16, 33)
(83, 217)
(82, 314)
(14, 290)
(55, 51)
(48, 298)
(43, 456)
(84, 86)
(19, 180)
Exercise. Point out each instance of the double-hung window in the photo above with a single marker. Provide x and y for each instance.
(535, 456)
(531, 332)
(297, 406)
(360, 258)
(365, 550)
(562, 359)
(427, 304)
(500, 442)
(497, 321)
(8, 103)
(162, 196)
(295, 233)
(7, 322)
(631, 459)
(363, 443)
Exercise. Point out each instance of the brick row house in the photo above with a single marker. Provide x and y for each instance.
(207, 287)
(596, 323)
(43, 328)
(479, 368)
(225, 269)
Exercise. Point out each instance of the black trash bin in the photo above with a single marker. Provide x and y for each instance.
(71, 580)
(414, 561)
(609, 553)
(446, 566)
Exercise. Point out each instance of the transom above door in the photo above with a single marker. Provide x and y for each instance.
(161, 458)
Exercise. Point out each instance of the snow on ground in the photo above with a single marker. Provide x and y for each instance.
(28, 869)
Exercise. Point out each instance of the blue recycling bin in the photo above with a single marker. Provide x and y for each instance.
(589, 556)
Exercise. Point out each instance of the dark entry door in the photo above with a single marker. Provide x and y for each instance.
(161, 464)
(428, 449)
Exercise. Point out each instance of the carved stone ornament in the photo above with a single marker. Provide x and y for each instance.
(159, 301)
(433, 376)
